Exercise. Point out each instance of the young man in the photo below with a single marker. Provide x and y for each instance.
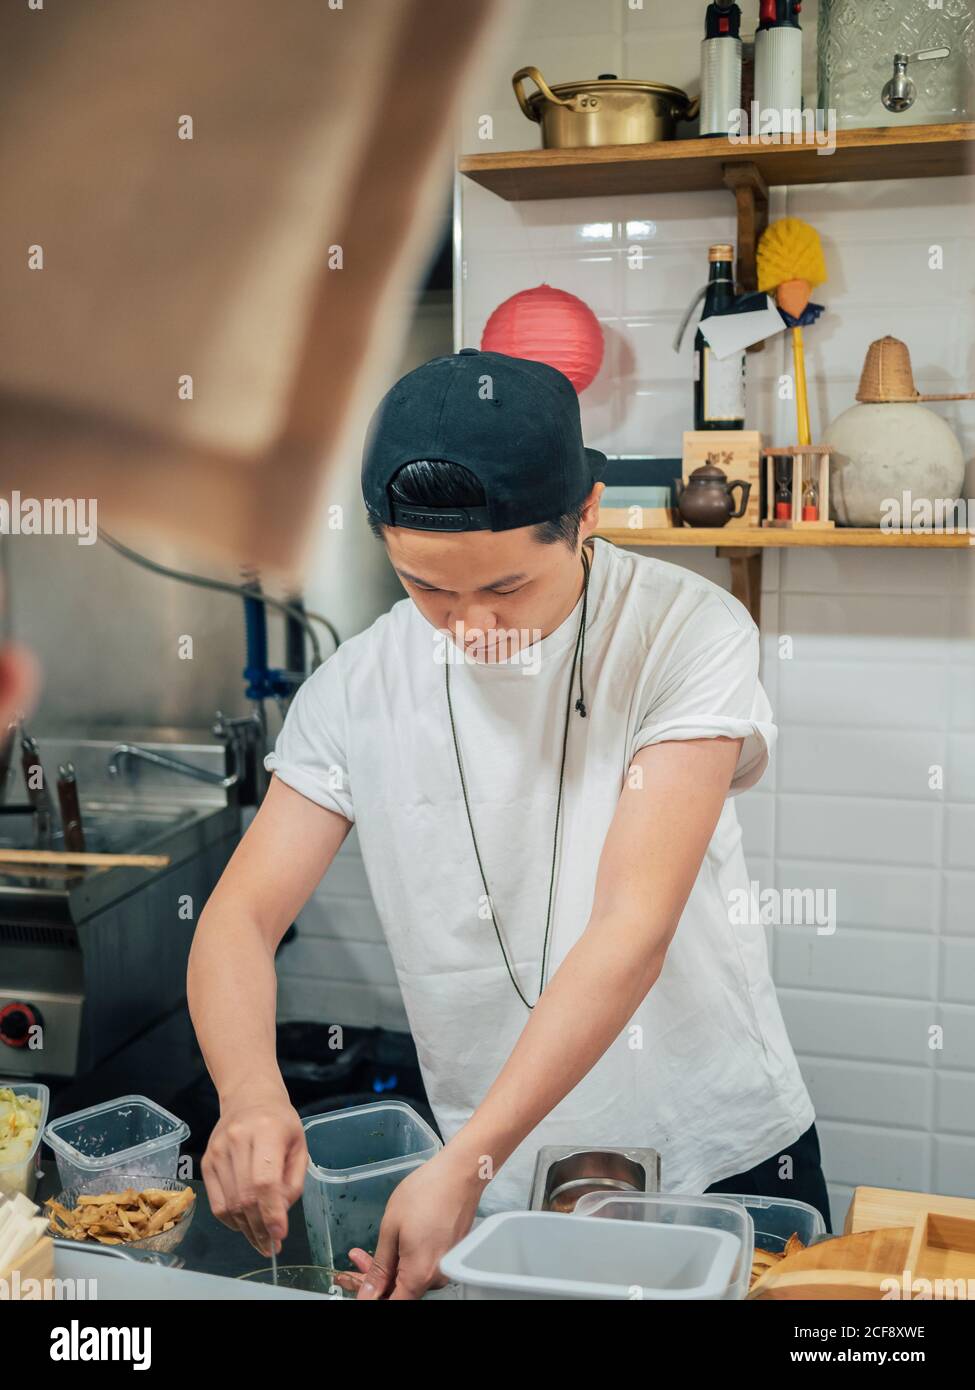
(537, 748)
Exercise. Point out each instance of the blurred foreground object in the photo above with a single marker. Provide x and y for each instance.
(227, 199)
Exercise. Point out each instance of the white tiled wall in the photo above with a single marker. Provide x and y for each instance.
(881, 683)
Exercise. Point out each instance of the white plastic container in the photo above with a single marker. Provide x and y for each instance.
(713, 1211)
(22, 1176)
(131, 1137)
(530, 1255)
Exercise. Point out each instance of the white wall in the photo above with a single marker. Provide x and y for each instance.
(882, 682)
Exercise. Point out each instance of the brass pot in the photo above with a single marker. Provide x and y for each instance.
(607, 111)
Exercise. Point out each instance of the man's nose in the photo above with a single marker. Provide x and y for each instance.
(476, 617)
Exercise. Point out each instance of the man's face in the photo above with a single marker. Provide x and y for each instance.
(495, 592)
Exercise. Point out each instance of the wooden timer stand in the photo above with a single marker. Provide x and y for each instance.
(809, 476)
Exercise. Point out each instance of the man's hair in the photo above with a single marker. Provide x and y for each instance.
(439, 483)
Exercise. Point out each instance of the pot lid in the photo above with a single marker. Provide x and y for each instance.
(708, 472)
(609, 82)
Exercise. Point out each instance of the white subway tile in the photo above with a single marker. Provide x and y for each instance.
(867, 627)
(958, 1021)
(958, 972)
(875, 1095)
(862, 695)
(892, 897)
(960, 838)
(960, 768)
(953, 1168)
(858, 1028)
(862, 572)
(860, 762)
(756, 815)
(954, 1111)
(870, 1156)
(341, 959)
(857, 962)
(327, 915)
(959, 903)
(854, 829)
(962, 711)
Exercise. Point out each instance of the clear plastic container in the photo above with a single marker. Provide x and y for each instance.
(777, 1218)
(530, 1255)
(129, 1137)
(22, 1175)
(356, 1158)
(709, 1211)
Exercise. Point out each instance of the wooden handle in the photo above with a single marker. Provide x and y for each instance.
(84, 860)
(956, 396)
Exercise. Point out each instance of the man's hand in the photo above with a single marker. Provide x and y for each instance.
(427, 1215)
(254, 1166)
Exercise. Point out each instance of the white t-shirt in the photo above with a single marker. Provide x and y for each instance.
(715, 1086)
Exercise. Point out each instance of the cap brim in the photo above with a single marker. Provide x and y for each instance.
(597, 463)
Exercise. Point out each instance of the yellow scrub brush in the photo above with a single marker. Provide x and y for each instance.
(791, 264)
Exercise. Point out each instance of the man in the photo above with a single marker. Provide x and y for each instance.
(537, 748)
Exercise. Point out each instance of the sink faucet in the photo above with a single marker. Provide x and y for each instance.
(124, 751)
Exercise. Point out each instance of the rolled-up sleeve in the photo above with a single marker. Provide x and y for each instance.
(310, 753)
(714, 692)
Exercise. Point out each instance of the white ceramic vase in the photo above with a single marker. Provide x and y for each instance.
(882, 451)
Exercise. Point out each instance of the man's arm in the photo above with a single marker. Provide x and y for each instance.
(255, 1161)
(650, 860)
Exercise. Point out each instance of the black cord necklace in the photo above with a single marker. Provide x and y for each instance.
(578, 656)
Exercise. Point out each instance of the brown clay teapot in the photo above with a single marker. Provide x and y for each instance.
(706, 498)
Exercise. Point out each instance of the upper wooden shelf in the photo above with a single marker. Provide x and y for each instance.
(675, 166)
(774, 538)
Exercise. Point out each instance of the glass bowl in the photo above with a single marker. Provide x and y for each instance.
(163, 1241)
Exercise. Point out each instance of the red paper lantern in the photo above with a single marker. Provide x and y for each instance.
(548, 325)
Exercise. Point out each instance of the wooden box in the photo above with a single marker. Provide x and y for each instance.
(737, 453)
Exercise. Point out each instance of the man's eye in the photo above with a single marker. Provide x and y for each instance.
(503, 593)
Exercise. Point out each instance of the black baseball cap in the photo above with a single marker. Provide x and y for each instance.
(512, 422)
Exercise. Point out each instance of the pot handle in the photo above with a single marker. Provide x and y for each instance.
(680, 112)
(518, 82)
(745, 492)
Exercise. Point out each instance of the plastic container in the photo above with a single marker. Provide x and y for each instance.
(22, 1175)
(777, 1218)
(131, 1137)
(708, 1211)
(356, 1158)
(530, 1255)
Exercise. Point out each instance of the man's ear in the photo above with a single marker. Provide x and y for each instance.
(590, 511)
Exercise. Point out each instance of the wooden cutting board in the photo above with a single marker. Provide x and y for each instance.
(874, 1207)
(848, 1267)
(937, 1246)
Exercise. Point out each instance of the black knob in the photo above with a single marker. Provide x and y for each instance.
(607, 77)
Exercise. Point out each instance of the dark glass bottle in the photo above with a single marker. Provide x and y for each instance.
(719, 384)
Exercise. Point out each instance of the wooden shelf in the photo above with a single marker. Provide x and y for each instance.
(675, 166)
(776, 538)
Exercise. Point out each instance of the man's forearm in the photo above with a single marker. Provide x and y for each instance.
(231, 989)
(588, 1002)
